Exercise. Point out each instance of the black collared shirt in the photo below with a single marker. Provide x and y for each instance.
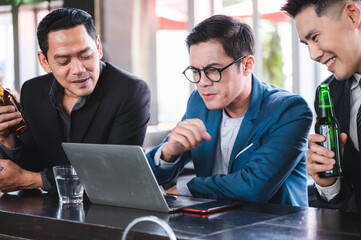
(56, 98)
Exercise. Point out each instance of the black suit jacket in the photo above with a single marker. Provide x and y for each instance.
(117, 112)
(349, 197)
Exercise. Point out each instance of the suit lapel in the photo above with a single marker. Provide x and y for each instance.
(205, 154)
(242, 139)
(345, 105)
(340, 94)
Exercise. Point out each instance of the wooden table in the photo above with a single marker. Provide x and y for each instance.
(34, 215)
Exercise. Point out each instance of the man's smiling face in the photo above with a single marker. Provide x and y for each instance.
(331, 41)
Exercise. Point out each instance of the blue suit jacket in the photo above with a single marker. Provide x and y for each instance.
(273, 169)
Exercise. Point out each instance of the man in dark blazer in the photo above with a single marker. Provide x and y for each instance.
(81, 99)
(246, 138)
(331, 30)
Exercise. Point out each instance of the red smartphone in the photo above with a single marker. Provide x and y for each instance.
(210, 207)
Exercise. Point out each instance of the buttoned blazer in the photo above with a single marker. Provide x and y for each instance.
(272, 169)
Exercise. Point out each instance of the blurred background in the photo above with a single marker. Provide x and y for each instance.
(147, 38)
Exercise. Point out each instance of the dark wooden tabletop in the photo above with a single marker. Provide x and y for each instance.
(33, 215)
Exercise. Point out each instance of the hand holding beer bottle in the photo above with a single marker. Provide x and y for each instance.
(11, 118)
(328, 126)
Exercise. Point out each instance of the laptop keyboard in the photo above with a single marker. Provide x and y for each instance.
(172, 202)
(176, 202)
(169, 198)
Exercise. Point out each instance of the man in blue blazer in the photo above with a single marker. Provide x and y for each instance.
(247, 139)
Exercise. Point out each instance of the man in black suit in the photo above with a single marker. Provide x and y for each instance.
(81, 99)
(332, 32)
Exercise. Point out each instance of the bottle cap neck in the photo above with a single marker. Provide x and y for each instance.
(325, 112)
(325, 107)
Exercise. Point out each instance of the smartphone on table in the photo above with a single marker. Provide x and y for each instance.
(210, 207)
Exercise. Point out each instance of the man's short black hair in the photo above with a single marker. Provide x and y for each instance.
(294, 7)
(236, 38)
(62, 19)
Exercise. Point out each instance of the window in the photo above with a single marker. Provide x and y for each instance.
(6, 47)
(29, 16)
(172, 58)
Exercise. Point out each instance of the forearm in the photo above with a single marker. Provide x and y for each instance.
(160, 163)
(14, 178)
(166, 155)
(8, 141)
(164, 171)
(11, 153)
(32, 180)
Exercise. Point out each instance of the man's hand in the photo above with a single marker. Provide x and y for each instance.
(13, 177)
(8, 118)
(188, 134)
(320, 159)
(172, 191)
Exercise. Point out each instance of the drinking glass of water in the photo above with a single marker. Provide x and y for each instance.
(68, 184)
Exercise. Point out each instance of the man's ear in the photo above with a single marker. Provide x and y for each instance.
(99, 47)
(43, 62)
(353, 13)
(248, 63)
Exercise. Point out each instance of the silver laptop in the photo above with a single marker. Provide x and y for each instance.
(120, 175)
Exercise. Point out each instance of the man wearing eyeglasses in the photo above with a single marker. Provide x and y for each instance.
(247, 138)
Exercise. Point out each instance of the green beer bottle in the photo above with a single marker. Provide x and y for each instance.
(328, 126)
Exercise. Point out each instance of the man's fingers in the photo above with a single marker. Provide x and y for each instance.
(313, 169)
(7, 109)
(173, 191)
(320, 159)
(315, 148)
(194, 130)
(190, 131)
(9, 116)
(198, 123)
(316, 157)
(343, 137)
(8, 124)
(206, 136)
(8, 120)
(181, 140)
(313, 138)
(186, 136)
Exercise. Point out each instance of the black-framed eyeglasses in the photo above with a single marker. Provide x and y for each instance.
(213, 74)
